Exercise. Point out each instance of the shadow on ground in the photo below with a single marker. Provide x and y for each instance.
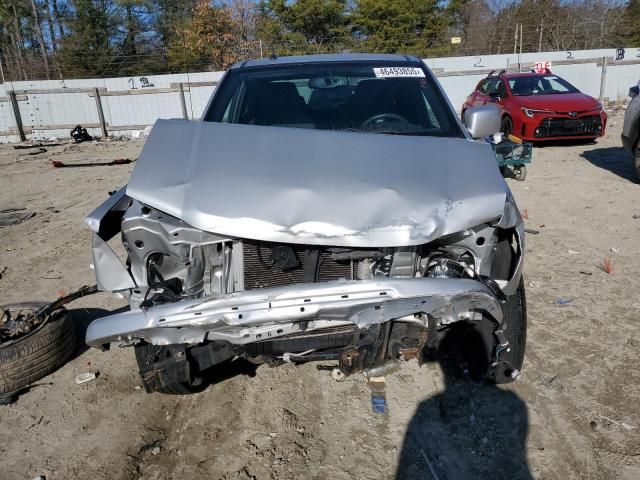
(82, 317)
(614, 159)
(468, 431)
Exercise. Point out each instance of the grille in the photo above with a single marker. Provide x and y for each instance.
(258, 273)
(569, 127)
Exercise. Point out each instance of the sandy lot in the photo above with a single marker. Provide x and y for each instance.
(575, 414)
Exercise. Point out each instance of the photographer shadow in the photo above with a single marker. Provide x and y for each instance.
(468, 431)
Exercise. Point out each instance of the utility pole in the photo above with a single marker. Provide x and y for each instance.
(2, 72)
(515, 39)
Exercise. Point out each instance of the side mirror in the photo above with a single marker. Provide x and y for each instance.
(634, 91)
(482, 121)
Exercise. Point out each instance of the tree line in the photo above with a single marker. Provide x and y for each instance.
(57, 39)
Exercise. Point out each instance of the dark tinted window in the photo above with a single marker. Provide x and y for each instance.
(540, 85)
(499, 88)
(366, 97)
(484, 86)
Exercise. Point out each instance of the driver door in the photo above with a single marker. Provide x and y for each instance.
(497, 94)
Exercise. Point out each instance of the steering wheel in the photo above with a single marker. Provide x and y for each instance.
(381, 118)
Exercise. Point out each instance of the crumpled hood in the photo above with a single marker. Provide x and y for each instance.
(317, 187)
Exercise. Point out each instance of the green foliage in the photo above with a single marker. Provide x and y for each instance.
(389, 26)
(295, 26)
(87, 38)
(89, 50)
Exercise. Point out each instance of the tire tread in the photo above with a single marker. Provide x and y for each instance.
(30, 358)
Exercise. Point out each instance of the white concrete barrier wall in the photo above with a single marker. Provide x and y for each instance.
(51, 108)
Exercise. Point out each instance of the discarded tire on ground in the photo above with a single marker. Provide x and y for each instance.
(38, 353)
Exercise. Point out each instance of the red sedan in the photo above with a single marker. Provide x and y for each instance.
(540, 106)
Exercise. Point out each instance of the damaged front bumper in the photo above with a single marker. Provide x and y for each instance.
(251, 316)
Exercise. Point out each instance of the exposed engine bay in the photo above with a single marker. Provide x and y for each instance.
(212, 298)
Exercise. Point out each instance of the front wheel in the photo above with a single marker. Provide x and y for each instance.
(515, 313)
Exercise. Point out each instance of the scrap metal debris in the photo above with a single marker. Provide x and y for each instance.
(15, 322)
(118, 161)
(40, 150)
(80, 134)
(626, 426)
(36, 145)
(563, 301)
(13, 216)
(86, 377)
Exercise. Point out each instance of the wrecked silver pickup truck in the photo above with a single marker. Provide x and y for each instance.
(360, 233)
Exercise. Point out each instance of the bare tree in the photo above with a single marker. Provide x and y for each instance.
(40, 38)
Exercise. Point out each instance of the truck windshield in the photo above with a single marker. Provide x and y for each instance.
(401, 99)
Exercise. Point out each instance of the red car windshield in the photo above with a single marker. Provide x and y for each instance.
(540, 85)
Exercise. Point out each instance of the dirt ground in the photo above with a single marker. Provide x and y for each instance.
(575, 414)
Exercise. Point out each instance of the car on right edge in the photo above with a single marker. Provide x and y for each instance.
(540, 106)
(631, 127)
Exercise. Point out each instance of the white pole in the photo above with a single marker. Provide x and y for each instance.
(519, 54)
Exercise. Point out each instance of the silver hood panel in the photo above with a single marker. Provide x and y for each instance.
(317, 187)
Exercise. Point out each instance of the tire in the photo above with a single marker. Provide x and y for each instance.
(506, 126)
(37, 354)
(520, 173)
(166, 369)
(514, 312)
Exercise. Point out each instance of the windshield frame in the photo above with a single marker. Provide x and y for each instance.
(233, 79)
